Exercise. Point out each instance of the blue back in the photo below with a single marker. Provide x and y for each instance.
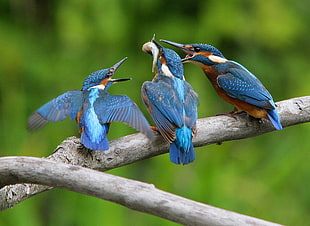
(94, 133)
(172, 103)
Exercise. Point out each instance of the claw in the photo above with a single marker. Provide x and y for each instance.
(232, 113)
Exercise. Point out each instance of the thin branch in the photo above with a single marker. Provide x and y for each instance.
(135, 147)
(132, 194)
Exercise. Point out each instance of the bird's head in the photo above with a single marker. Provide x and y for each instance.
(165, 61)
(102, 79)
(201, 54)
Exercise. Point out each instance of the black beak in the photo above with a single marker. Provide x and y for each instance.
(120, 79)
(118, 64)
(159, 46)
(183, 47)
(178, 45)
(114, 68)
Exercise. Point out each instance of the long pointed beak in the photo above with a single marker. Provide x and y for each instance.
(118, 64)
(178, 45)
(114, 67)
(159, 46)
(120, 79)
(183, 47)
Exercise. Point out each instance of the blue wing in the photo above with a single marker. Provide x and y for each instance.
(120, 108)
(57, 109)
(165, 107)
(239, 83)
(191, 102)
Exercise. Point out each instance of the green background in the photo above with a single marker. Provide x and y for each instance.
(49, 47)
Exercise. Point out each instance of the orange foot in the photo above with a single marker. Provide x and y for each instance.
(154, 128)
(229, 114)
(232, 113)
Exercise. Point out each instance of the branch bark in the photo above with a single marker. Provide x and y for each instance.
(132, 194)
(135, 147)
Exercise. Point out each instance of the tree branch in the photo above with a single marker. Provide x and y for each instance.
(132, 194)
(135, 147)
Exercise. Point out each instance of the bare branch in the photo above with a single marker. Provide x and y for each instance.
(135, 147)
(132, 194)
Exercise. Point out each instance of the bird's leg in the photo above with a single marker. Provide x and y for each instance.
(240, 113)
(232, 113)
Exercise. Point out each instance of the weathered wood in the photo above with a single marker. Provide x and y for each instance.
(132, 194)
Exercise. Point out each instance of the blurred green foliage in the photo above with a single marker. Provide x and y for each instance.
(49, 47)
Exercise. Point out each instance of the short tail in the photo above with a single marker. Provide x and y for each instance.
(101, 145)
(182, 149)
(95, 139)
(274, 118)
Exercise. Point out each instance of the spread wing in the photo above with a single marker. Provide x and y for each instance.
(57, 109)
(120, 108)
(241, 84)
(164, 106)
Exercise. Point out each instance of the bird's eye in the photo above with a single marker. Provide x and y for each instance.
(197, 49)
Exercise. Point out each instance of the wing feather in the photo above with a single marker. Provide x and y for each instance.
(191, 102)
(57, 109)
(241, 84)
(164, 106)
(120, 108)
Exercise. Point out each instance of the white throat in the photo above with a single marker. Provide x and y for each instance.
(217, 59)
(166, 71)
(100, 86)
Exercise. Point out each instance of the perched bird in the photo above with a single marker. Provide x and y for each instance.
(232, 82)
(172, 102)
(94, 109)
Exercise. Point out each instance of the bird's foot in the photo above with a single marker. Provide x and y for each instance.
(154, 129)
(232, 113)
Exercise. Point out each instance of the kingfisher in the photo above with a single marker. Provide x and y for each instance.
(232, 82)
(94, 109)
(172, 102)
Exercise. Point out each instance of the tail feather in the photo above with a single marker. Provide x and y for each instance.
(88, 143)
(274, 118)
(95, 137)
(182, 149)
